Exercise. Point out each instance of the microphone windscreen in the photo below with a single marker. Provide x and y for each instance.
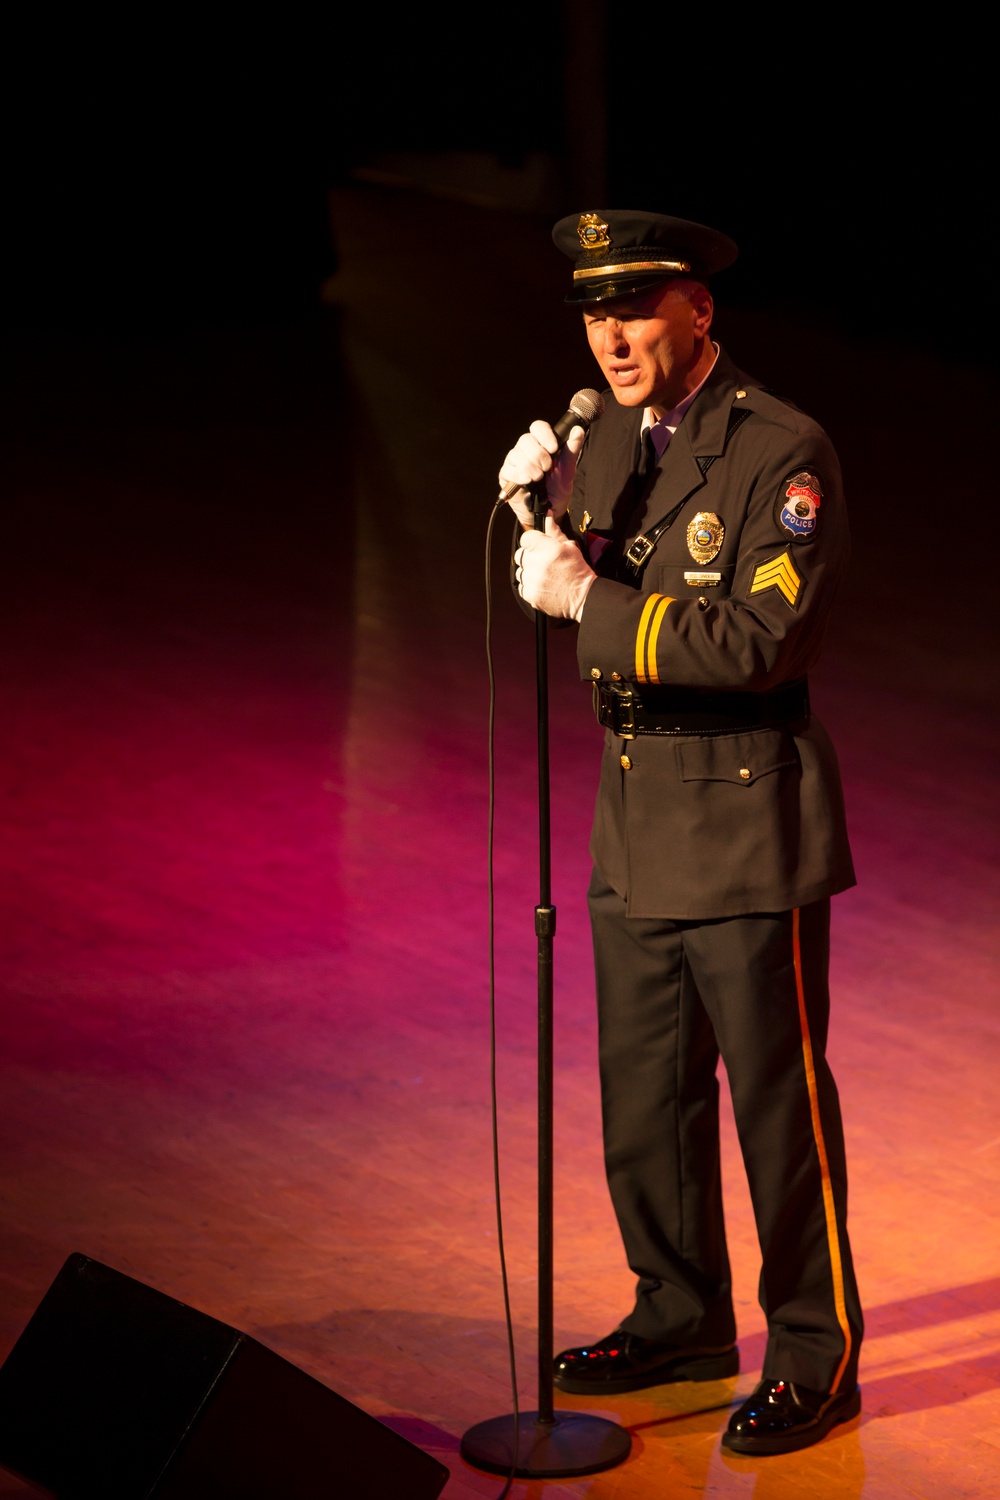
(587, 404)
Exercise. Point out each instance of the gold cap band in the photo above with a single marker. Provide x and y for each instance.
(589, 272)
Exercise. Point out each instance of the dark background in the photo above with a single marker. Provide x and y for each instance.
(164, 172)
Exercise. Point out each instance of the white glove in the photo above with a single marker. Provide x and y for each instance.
(552, 573)
(535, 456)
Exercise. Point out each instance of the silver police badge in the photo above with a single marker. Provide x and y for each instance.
(705, 536)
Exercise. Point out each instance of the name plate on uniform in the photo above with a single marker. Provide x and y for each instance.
(702, 580)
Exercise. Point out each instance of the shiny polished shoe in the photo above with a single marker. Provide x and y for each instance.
(625, 1362)
(781, 1417)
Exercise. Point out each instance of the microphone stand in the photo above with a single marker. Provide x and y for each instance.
(545, 1444)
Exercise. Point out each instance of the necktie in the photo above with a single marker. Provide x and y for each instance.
(648, 457)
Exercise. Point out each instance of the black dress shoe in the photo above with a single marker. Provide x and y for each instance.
(781, 1417)
(625, 1362)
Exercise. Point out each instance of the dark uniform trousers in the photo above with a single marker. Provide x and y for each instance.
(673, 996)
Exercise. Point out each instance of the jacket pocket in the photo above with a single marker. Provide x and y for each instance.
(738, 758)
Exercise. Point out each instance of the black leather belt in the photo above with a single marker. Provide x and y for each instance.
(627, 712)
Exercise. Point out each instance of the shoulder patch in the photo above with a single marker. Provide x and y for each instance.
(778, 573)
(797, 506)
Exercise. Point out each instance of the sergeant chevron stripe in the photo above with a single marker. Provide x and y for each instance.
(646, 637)
(778, 573)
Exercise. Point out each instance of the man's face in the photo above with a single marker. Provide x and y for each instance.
(652, 346)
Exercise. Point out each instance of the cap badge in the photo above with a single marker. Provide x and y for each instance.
(798, 504)
(593, 232)
(705, 536)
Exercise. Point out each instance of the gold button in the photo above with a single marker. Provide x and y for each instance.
(596, 673)
(703, 602)
(740, 395)
(744, 773)
(616, 677)
(626, 763)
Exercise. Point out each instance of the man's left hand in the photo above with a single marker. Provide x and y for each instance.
(552, 573)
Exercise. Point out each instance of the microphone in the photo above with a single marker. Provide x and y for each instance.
(585, 407)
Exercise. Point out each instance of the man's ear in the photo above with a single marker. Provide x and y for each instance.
(703, 307)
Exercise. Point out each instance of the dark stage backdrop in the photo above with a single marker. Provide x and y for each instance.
(164, 173)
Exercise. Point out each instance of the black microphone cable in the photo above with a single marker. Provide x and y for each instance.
(501, 504)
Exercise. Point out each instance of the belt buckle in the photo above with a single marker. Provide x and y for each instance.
(639, 551)
(618, 705)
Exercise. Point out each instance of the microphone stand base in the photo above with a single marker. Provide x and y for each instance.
(572, 1443)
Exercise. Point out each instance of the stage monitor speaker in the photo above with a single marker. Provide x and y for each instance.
(117, 1392)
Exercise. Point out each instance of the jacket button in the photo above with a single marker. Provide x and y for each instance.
(596, 673)
(626, 763)
(744, 773)
(616, 677)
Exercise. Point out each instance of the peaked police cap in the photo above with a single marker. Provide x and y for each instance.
(620, 250)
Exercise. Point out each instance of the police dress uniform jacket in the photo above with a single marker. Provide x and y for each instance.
(720, 824)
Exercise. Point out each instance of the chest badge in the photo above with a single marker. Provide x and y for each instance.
(705, 536)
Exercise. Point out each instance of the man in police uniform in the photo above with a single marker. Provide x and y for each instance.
(697, 536)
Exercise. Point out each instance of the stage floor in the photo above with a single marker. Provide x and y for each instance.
(244, 1020)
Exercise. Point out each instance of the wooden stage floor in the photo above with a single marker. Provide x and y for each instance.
(244, 1018)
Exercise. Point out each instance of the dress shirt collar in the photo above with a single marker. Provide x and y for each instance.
(663, 430)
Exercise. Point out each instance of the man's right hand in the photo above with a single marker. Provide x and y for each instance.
(536, 455)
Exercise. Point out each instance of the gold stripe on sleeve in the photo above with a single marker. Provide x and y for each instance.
(652, 675)
(640, 636)
(833, 1238)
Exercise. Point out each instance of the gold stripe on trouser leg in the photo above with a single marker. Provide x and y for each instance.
(833, 1238)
